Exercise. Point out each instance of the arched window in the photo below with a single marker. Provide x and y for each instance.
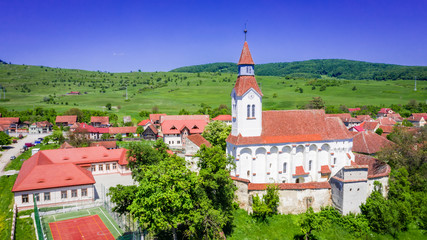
(253, 110)
(249, 110)
(309, 165)
(284, 167)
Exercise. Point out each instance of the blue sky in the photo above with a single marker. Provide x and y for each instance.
(122, 36)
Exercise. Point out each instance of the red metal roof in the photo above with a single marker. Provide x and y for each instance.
(66, 119)
(245, 56)
(104, 120)
(222, 118)
(295, 126)
(244, 83)
(199, 140)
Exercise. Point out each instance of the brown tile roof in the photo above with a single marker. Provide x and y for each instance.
(106, 144)
(363, 118)
(370, 126)
(115, 130)
(369, 142)
(10, 119)
(104, 120)
(295, 126)
(385, 121)
(376, 168)
(245, 56)
(244, 83)
(66, 119)
(199, 140)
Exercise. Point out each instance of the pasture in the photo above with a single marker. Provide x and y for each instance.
(28, 87)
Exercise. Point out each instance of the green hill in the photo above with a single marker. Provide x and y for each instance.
(339, 68)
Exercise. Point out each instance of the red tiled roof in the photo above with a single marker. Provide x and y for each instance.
(396, 117)
(84, 127)
(376, 168)
(324, 169)
(199, 140)
(245, 56)
(416, 117)
(345, 117)
(42, 124)
(353, 109)
(121, 130)
(240, 179)
(10, 119)
(386, 121)
(369, 142)
(290, 186)
(66, 119)
(363, 118)
(384, 110)
(222, 118)
(295, 126)
(244, 83)
(184, 117)
(66, 145)
(104, 120)
(144, 122)
(153, 128)
(106, 144)
(370, 126)
(174, 124)
(156, 116)
(386, 128)
(299, 171)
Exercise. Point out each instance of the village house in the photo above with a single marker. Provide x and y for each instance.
(176, 128)
(347, 119)
(10, 123)
(123, 131)
(363, 118)
(145, 123)
(223, 118)
(418, 119)
(192, 146)
(150, 133)
(60, 176)
(384, 112)
(155, 118)
(40, 127)
(371, 126)
(102, 121)
(66, 120)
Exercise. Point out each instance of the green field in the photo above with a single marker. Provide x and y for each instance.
(100, 211)
(28, 87)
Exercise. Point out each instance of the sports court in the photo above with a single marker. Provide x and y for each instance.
(92, 223)
(89, 227)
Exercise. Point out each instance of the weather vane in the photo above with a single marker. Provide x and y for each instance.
(245, 31)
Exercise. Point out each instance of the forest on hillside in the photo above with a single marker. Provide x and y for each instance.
(338, 68)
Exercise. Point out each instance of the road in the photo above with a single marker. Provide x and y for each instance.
(14, 149)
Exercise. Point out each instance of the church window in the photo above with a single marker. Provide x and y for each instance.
(249, 111)
(253, 110)
(284, 167)
(335, 160)
(309, 165)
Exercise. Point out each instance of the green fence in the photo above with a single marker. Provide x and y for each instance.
(40, 234)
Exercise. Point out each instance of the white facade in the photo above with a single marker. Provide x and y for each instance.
(54, 196)
(173, 140)
(246, 114)
(277, 163)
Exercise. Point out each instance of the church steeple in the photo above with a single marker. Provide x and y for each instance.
(246, 64)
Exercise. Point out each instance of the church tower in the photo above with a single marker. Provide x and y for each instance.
(246, 99)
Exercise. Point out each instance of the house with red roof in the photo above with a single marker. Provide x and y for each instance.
(371, 126)
(386, 121)
(176, 128)
(369, 142)
(11, 124)
(100, 121)
(145, 123)
(347, 119)
(384, 112)
(150, 133)
(418, 119)
(223, 118)
(124, 131)
(61, 176)
(192, 146)
(155, 118)
(66, 120)
(353, 110)
(363, 118)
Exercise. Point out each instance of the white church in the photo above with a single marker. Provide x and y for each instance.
(288, 146)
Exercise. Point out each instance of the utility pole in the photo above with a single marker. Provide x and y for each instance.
(415, 88)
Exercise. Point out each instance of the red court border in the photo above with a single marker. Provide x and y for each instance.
(89, 227)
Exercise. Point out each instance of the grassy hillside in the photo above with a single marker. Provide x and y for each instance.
(28, 87)
(339, 68)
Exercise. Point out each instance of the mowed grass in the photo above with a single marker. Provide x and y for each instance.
(100, 211)
(286, 227)
(172, 92)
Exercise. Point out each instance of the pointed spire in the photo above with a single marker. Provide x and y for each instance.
(245, 57)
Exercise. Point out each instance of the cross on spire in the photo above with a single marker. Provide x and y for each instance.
(245, 31)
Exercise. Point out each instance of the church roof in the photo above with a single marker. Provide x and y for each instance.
(244, 83)
(369, 142)
(245, 57)
(289, 126)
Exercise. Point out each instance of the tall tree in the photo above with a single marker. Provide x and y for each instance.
(216, 133)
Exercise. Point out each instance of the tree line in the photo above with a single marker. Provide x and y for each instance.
(339, 68)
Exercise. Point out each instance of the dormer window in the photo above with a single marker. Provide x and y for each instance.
(195, 127)
(173, 128)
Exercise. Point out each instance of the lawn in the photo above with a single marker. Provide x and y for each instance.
(286, 227)
(33, 86)
(16, 164)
